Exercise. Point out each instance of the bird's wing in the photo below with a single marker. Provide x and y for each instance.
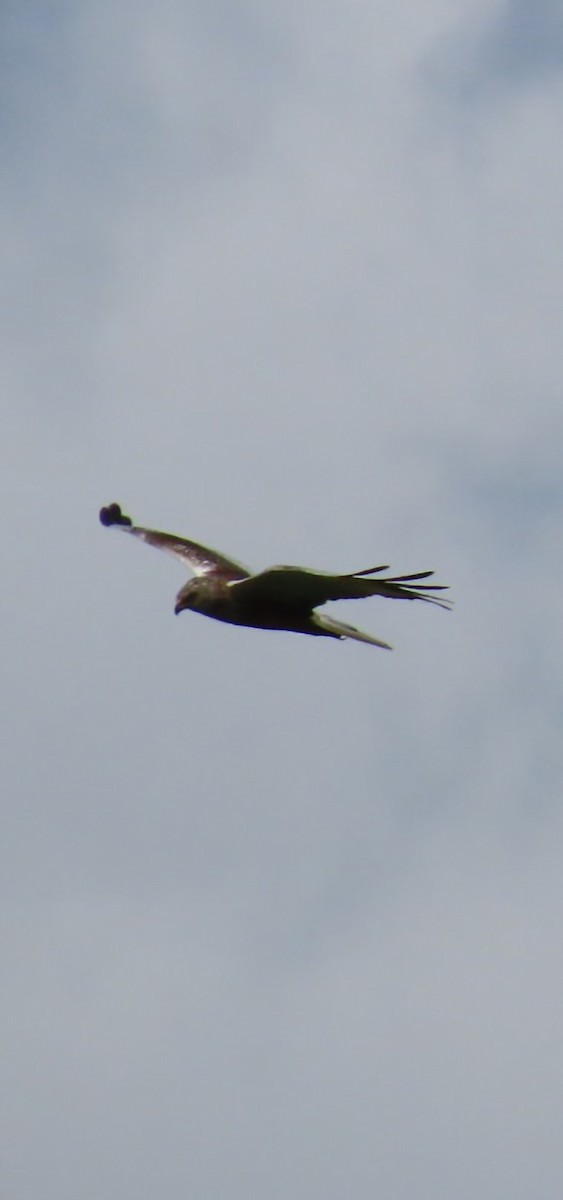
(298, 587)
(200, 559)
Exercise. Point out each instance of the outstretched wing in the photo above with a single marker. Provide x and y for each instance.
(200, 559)
(298, 587)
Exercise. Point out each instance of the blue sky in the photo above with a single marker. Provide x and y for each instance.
(282, 917)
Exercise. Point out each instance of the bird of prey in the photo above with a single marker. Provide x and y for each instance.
(278, 598)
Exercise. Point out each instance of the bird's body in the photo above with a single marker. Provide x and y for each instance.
(216, 598)
(278, 598)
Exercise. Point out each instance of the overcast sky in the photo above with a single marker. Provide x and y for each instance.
(283, 918)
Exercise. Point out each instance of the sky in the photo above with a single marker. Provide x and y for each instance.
(282, 917)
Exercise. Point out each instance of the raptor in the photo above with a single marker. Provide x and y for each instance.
(278, 598)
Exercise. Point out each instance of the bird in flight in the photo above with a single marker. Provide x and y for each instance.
(278, 598)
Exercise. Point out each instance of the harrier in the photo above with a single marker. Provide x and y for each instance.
(279, 598)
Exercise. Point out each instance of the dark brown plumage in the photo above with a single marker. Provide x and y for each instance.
(278, 598)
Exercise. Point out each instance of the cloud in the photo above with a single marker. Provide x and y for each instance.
(280, 915)
(526, 41)
(502, 48)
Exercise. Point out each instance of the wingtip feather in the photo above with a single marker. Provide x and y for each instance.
(112, 515)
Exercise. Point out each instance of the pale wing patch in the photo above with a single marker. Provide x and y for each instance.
(200, 559)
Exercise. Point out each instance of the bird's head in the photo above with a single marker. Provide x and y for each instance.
(187, 596)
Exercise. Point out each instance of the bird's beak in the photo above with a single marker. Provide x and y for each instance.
(178, 608)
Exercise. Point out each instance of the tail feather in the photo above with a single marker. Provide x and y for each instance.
(341, 630)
